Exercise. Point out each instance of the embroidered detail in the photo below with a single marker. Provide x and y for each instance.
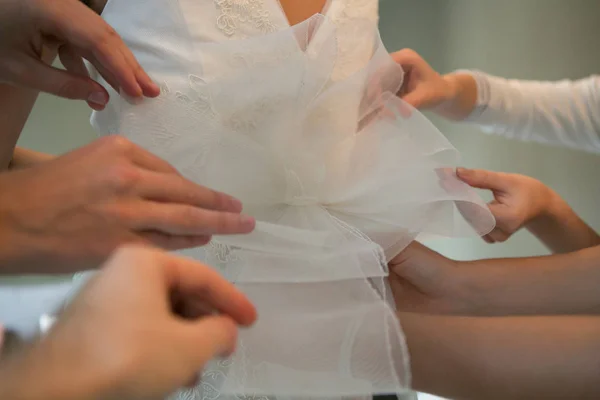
(233, 14)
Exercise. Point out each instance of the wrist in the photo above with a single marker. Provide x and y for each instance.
(461, 96)
(552, 211)
(61, 370)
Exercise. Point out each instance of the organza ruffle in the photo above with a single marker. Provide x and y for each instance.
(341, 176)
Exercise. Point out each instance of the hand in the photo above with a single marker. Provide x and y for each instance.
(452, 96)
(28, 28)
(518, 200)
(70, 213)
(123, 338)
(423, 87)
(424, 281)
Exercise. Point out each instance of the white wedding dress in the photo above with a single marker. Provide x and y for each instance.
(301, 124)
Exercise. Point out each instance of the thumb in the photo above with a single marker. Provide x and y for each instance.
(61, 83)
(211, 337)
(500, 211)
(482, 179)
(416, 99)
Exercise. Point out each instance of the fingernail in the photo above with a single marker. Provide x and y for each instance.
(247, 222)
(99, 98)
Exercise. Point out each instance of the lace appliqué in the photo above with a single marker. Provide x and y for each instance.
(235, 13)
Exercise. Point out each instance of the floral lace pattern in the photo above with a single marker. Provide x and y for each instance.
(235, 13)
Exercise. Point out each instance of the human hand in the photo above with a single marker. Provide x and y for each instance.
(424, 281)
(70, 213)
(423, 87)
(518, 200)
(140, 329)
(452, 96)
(28, 28)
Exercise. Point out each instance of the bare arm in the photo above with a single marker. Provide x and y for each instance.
(15, 106)
(23, 158)
(505, 358)
(552, 285)
(524, 202)
(560, 284)
(562, 230)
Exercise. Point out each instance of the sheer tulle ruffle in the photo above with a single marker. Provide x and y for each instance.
(341, 176)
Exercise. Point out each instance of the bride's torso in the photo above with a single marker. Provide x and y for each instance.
(164, 34)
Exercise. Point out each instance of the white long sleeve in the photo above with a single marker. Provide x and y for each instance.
(564, 113)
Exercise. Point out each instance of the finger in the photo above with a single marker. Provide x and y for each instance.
(107, 76)
(149, 88)
(40, 76)
(417, 99)
(178, 220)
(499, 236)
(109, 58)
(195, 381)
(209, 338)
(483, 179)
(190, 308)
(488, 239)
(501, 213)
(192, 280)
(74, 64)
(77, 25)
(72, 61)
(147, 160)
(176, 189)
(408, 58)
(174, 242)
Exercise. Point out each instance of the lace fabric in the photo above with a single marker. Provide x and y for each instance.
(303, 126)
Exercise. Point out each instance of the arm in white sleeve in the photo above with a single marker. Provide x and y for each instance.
(564, 113)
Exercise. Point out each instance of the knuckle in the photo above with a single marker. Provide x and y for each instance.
(122, 177)
(224, 222)
(105, 37)
(118, 144)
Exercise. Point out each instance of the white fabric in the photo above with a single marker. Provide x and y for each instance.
(564, 113)
(301, 124)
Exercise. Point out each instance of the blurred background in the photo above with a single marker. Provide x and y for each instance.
(527, 39)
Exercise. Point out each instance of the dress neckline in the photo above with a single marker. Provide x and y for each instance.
(284, 17)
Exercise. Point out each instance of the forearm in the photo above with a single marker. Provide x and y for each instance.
(464, 99)
(504, 358)
(562, 113)
(561, 229)
(23, 158)
(54, 374)
(552, 285)
(15, 106)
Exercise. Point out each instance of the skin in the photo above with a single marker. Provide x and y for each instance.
(523, 202)
(138, 330)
